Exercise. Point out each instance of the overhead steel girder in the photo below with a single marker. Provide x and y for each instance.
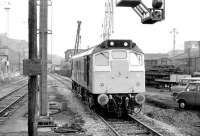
(128, 3)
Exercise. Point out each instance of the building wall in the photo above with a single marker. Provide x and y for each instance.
(13, 58)
(191, 46)
(162, 61)
(189, 65)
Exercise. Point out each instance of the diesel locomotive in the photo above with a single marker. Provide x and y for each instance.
(111, 76)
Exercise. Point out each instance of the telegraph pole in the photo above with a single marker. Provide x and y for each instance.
(7, 9)
(43, 33)
(174, 32)
(199, 47)
(189, 51)
(32, 82)
(19, 60)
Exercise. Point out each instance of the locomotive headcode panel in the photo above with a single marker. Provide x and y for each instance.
(111, 75)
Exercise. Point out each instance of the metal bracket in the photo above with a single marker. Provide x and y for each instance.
(147, 15)
(32, 67)
(45, 121)
(128, 3)
(48, 31)
(49, 2)
(154, 16)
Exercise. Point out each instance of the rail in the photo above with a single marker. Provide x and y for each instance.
(107, 124)
(145, 126)
(58, 78)
(7, 85)
(13, 91)
(12, 98)
(146, 130)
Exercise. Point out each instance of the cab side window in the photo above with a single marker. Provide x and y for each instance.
(135, 59)
(102, 59)
(191, 88)
(198, 88)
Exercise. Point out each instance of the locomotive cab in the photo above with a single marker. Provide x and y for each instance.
(119, 76)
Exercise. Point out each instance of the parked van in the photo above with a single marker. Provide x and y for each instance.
(190, 96)
(183, 82)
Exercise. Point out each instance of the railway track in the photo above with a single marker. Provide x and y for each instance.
(15, 95)
(12, 85)
(60, 78)
(144, 123)
(133, 125)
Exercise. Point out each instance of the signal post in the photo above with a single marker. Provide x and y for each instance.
(43, 32)
(32, 68)
(44, 120)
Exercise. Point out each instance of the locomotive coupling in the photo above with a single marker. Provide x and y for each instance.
(110, 96)
(139, 98)
(102, 99)
(126, 102)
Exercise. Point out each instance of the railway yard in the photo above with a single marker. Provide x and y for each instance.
(159, 116)
(120, 78)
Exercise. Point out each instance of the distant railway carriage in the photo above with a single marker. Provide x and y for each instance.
(111, 75)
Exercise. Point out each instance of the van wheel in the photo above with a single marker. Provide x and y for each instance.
(182, 104)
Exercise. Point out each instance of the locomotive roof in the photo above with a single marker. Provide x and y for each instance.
(110, 44)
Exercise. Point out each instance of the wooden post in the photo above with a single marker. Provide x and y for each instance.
(43, 56)
(199, 48)
(189, 61)
(33, 81)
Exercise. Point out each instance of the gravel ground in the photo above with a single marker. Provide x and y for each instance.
(161, 107)
(73, 117)
(74, 113)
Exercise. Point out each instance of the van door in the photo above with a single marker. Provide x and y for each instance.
(197, 99)
(191, 94)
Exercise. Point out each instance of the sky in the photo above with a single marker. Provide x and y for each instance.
(180, 14)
